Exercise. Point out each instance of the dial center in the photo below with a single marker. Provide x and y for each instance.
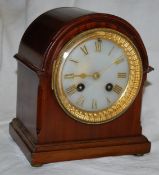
(96, 75)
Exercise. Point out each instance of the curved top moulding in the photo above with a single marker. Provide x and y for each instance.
(58, 26)
(38, 35)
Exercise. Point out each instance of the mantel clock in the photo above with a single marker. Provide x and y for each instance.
(80, 86)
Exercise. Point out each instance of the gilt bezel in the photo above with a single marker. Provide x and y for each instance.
(128, 95)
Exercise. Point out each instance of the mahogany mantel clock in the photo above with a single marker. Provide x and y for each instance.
(80, 85)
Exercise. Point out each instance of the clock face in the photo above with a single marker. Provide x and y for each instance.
(97, 75)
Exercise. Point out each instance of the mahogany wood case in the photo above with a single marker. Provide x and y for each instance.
(43, 131)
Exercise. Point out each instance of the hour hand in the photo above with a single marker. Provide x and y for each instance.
(95, 75)
(72, 75)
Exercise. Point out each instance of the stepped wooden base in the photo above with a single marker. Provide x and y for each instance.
(41, 154)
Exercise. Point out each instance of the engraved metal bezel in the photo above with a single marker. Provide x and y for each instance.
(127, 96)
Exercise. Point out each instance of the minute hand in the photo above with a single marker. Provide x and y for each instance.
(116, 61)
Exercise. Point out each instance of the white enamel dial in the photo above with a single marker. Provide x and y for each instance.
(95, 74)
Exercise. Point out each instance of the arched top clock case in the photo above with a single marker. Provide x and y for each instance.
(53, 29)
(42, 129)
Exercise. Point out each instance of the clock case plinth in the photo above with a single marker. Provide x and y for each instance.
(43, 131)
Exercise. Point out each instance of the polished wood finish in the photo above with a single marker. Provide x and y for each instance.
(40, 154)
(42, 129)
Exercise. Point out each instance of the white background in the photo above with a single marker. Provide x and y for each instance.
(15, 16)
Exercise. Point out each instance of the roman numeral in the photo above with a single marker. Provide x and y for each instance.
(71, 90)
(109, 53)
(117, 89)
(94, 104)
(74, 61)
(84, 50)
(69, 76)
(98, 45)
(80, 101)
(121, 75)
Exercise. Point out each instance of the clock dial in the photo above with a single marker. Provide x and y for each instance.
(98, 75)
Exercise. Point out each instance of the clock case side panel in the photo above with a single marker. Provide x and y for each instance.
(31, 58)
(126, 125)
(27, 100)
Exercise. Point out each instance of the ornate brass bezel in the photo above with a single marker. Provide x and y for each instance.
(126, 98)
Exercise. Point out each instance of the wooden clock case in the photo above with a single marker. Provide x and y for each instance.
(43, 131)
